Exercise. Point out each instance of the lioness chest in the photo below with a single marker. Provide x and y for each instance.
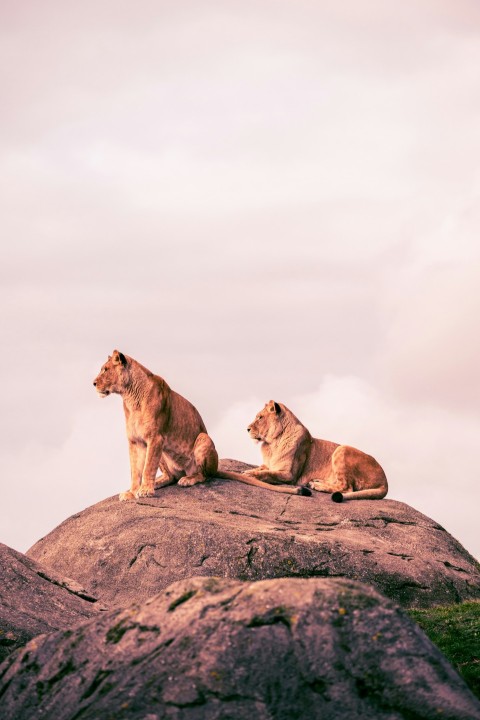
(140, 427)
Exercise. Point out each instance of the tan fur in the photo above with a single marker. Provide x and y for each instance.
(291, 455)
(164, 431)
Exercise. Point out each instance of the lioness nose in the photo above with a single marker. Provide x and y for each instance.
(248, 429)
(94, 383)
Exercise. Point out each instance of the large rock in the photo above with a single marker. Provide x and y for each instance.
(35, 600)
(129, 551)
(209, 648)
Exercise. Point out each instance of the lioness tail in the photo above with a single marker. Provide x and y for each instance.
(370, 494)
(248, 480)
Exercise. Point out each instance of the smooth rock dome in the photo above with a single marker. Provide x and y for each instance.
(123, 552)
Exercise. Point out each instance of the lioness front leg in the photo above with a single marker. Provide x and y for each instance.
(205, 462)
(274, 478)
(166, 478)
(252, 471)
(137, 454)
(152, 461)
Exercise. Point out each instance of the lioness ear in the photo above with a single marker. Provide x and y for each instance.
(119, 358)
(274, 407)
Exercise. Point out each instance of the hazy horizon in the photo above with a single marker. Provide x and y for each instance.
(257, 201)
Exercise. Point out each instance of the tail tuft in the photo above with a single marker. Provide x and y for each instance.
(304, 491)
(337, 497)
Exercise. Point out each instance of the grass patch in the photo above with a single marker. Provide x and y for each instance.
(455, 630)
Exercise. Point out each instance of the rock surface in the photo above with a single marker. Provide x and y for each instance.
(35, 600)
(124, 552)
(215, 648)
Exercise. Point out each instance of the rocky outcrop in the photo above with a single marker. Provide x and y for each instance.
(35, 600)
(215, 648)
(129, 551)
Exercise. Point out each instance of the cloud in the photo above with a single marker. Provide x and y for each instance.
(230, 432)
(431, 349)
(49, 483)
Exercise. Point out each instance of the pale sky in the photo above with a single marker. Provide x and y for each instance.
(257, 200)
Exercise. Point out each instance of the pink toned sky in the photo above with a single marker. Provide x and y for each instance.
(256, 199)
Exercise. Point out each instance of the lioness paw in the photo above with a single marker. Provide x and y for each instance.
(190, 480)
(144, 491)
(127, 495)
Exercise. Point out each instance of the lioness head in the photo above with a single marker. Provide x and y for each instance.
(267, 424)
(113, 375)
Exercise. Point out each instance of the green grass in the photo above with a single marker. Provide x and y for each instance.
(455, 630)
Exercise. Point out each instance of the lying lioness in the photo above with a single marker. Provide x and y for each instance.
(164, 432)
(291, 455)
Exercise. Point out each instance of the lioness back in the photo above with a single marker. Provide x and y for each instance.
(183, 417)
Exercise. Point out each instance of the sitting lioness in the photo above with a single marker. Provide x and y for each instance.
(164, 432)
(291, 455)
